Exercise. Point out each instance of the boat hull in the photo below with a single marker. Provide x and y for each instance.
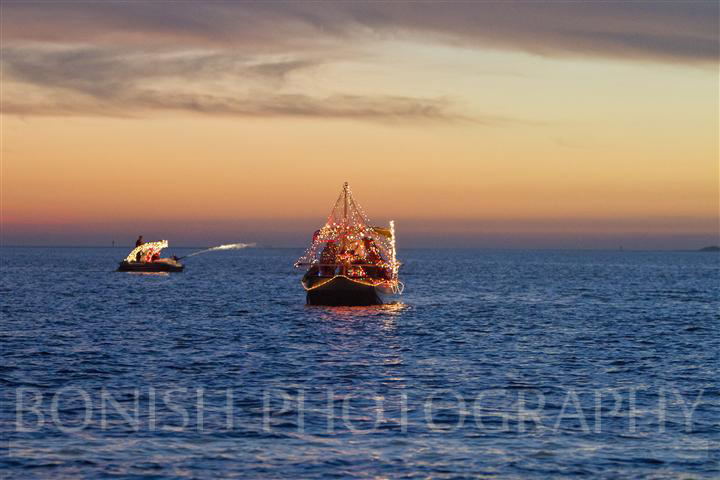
(159, 266)
(343, 291)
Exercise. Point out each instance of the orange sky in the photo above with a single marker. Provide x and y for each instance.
(479, 142)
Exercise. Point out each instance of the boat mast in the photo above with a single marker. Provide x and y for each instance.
(345, 190)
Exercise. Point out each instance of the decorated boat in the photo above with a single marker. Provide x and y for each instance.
(146, 258)
(350, 262)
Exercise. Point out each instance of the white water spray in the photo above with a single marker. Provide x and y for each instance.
(229, 246)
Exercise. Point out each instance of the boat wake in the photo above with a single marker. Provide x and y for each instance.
(229, 246)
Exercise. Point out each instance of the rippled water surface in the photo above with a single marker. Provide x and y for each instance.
(467, 377)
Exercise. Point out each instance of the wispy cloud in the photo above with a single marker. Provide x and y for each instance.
(376, 108)
(112, 72)
(112, 82)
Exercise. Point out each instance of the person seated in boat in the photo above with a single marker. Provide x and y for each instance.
(138, 256)
(155, 257)
(328, 259)
(355, 271)
(345, 258)
(357, 260)
(372, 257)
(139, 241)
(386, 272)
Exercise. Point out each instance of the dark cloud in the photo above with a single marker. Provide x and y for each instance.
(684, 31)
(121, 58)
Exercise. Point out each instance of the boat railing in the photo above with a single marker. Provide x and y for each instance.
(340, 264)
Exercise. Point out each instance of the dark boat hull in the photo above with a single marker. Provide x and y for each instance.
(150, 267)
(343, 291)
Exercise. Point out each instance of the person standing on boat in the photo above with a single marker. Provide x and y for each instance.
(138, 242)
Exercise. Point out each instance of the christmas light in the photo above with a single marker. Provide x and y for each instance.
(148, 250)
(369, 282)
(348, 241)
(393, 251)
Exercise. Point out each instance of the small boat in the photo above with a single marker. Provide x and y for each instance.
(349, 262)
(146, 258)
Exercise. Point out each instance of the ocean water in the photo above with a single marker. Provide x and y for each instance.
(507, 364)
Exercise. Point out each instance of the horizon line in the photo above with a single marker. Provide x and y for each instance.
(271, 247)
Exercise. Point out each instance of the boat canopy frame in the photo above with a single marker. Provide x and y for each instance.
(148, 250)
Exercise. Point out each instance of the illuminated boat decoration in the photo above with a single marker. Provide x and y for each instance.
(350, 262)
(146, 258)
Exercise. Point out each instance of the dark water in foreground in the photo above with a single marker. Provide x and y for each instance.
(500, 341)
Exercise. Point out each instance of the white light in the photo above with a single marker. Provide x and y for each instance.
(393, 251)
(148, 250)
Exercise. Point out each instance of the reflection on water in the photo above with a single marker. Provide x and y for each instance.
(330, 313)
(157, 274)
(357, 321)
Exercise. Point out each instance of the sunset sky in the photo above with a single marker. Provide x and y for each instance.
(483, 124)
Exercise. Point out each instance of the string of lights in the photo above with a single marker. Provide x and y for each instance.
(148, 250)
(348, 239)
(394, 286)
